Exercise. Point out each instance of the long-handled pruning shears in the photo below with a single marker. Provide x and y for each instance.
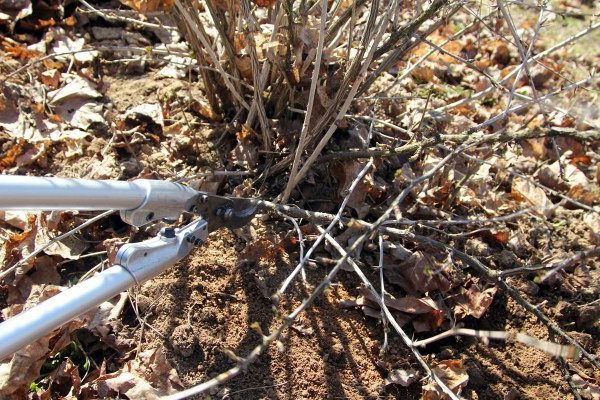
(139, 202)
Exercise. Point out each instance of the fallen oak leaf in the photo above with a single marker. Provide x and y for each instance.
(582, 194)
(20, 52)
(452, 373)
(245, 153)
(592, 220)
(125, 384)
(562, 177)
(473, 301)
(17, 219)
(66, 375)
(19, 246)
(428, 322)
(345, 173)
(407, 304)
(9, 157)
(264, 3)
(77, 88)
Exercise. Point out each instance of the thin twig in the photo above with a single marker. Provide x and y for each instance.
(256, 76)
(514, 71)
(577, 257)
(195, 24)
(118, 18)
(390, 317)
(554, 349)
(483, 270)
(332, 224)
(34, 254)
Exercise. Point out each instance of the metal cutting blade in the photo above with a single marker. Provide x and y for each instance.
(228, 212)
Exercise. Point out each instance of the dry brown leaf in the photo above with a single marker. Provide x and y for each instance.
(8, 158)
(535, 147)
(51, 78)
(18, 219)
(408, 304)
(428, 322)
(581, 159)
(20, 52)
(423, 74)
(153, 366)
(473, 301)
(245, 153)
(125, 384)
(550, 175)
(582, 194)
(203, 108)
(402, 377)
(501, 236)
(69, 248)
(345, 172)
(150, 114)
(66, 375)
(412, 305)
(588, 390)
(148, 6)
(24, 366)
(501, 54)
(244, 65)
(262, 250)
(419, 274)
(63, 44)
(524, 189)
(588, 315)
(77, 88)
(19, 246)
(452, 373)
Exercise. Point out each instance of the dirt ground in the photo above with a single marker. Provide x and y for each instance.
(332, 352)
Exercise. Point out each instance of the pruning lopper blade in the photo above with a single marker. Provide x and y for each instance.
(225, 212)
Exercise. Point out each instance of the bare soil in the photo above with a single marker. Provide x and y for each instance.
(214, 303)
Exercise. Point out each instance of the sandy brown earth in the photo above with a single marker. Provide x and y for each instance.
(215, 304)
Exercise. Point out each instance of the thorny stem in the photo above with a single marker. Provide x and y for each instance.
(355, 85)
(382, 289)
(554, 349)
(486, 272)
(262, 114)
(119, 18)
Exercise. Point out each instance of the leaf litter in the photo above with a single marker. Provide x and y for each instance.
(64, 113)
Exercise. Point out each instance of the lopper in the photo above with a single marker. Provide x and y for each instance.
(139, 202)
